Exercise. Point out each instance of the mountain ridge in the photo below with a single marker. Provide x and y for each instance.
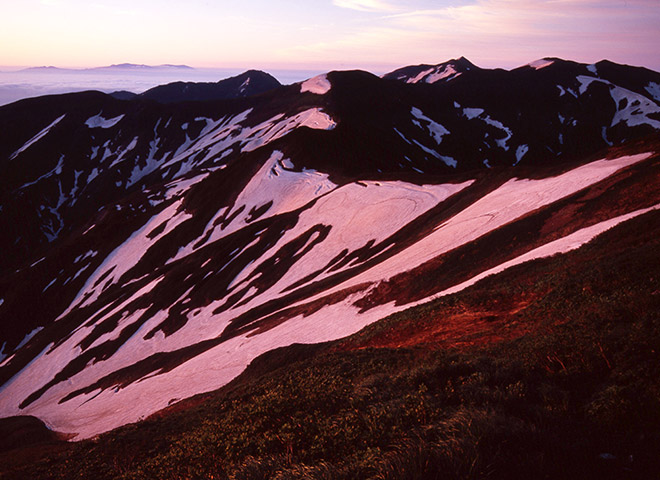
(157, 248)
(248, 83)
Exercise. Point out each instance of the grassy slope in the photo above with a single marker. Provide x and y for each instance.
(533, 373)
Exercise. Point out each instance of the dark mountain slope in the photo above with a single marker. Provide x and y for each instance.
(432, 73)
(155, 249)
(548, 369)
(246, 84)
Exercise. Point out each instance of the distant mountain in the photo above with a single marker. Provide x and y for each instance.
(246, 84)
(133, 66)
(45, 69)
(124, 95)
(116, 67)
(152, 250)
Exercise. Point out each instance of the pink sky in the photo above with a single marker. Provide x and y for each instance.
(327, 34)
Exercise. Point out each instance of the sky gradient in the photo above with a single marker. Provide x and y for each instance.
(374, 35)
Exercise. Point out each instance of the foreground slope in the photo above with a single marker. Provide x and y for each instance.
(548, 369)
(156, 250)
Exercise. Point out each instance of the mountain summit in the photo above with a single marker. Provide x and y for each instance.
(251, 82)
(432, 73)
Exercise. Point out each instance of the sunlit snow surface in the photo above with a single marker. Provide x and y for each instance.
(562, 245)
(319, 85)
(357, 213)
(541, 63)
(434, 74)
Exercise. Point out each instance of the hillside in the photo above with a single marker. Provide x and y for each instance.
(468, 255)
(546, 370)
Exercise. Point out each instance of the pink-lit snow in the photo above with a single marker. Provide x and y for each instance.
(319, 85)
(357, 214)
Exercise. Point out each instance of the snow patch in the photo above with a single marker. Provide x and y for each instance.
(604, 135)
(128, 254)
(447, 72)
(49, 285)
(55, 171)
(28, 337)
(151, 163)
(313, 118)
(562, 245)
(98, 121)
(512, 200)
(433, 74)
(449, 161)
(36, 138)
(93, 174)
(359, 213)
(520, 153)
(436, 130)
(402, 136)
(276, 187)
(222, 137)
(418, 78)
(122, 153)
(320, 85)
(541, 63)
(654, 90)
(632, 108)
(585, 81)
(471, 113)
(244, 85)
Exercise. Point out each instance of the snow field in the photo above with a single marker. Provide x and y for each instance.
(357, 214)
(562, 245)
(277, 183)
(510, 201)
(434, 74)
(127, 255)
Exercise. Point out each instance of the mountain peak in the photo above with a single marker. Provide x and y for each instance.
(248, 83)
(426, 73)
(463, 62)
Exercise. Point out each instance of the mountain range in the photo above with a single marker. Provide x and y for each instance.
(119, 67)
(199, 237)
